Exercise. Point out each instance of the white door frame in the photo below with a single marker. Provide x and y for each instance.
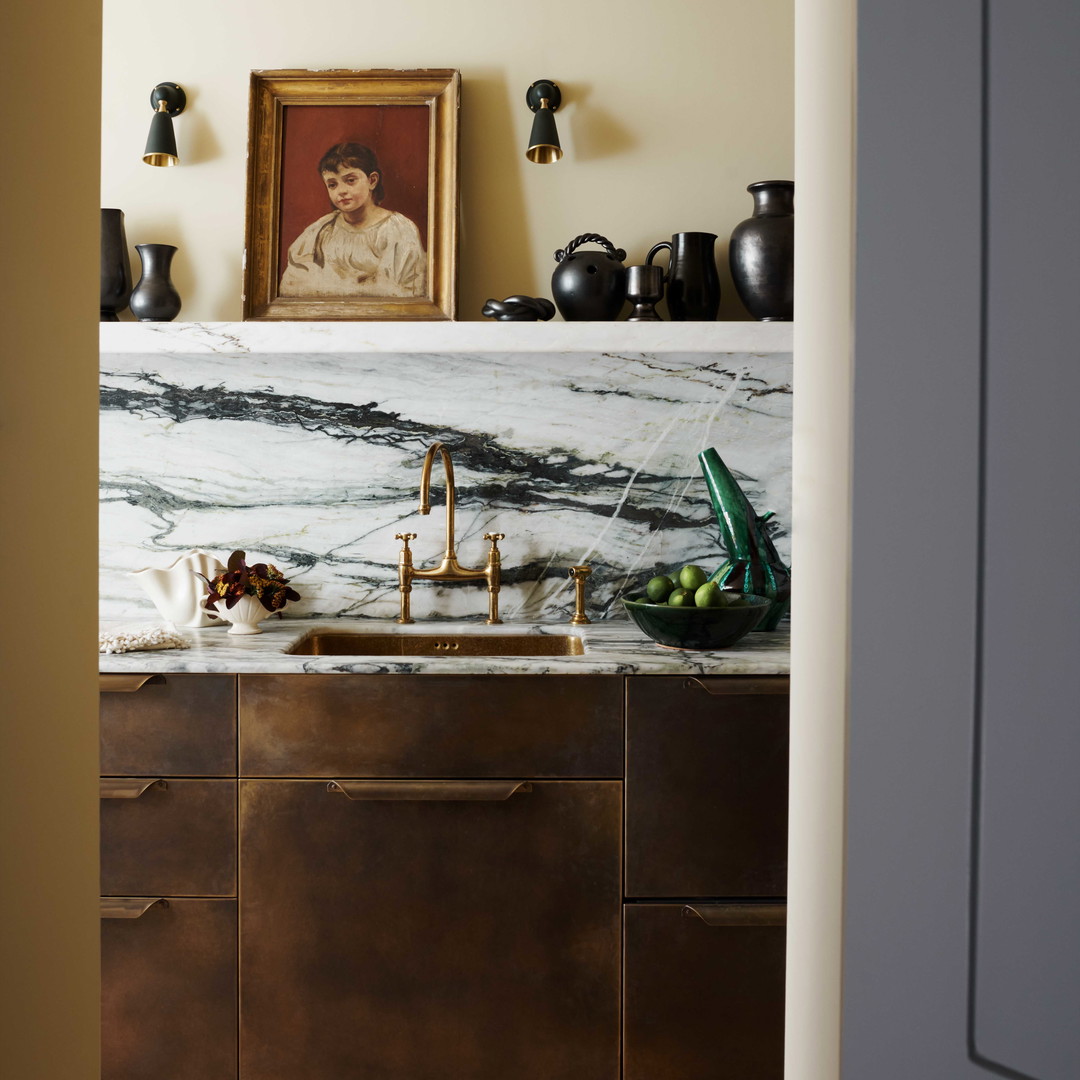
(821, 528)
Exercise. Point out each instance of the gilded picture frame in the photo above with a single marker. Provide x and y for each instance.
(352, 195)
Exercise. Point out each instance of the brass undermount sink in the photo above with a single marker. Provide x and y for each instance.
(331, 643)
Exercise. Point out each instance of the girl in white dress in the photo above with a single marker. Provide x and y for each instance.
(359, 248)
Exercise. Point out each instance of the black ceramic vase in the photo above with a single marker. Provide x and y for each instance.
(693, 284)
(762, 252)
(589, 285)
(154, 299)
(115, 266)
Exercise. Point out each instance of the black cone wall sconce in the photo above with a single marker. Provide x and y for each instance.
(543, 98)
(167, 100)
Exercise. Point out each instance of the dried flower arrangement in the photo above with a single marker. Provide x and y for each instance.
(263, 580)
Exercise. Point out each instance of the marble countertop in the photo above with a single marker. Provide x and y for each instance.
(611, 647)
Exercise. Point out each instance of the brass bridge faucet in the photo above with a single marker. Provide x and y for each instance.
(449, 569)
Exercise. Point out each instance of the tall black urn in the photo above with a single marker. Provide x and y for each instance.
(115, 266)
(762, 252)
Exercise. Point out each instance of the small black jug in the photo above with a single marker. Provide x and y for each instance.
(693, 283)
(589, 285)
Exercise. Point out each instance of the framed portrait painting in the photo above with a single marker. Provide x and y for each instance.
(352, 195)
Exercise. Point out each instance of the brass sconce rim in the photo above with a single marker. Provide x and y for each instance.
(544, 153)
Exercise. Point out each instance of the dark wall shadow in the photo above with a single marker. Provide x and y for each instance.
(196, 141)
(495, 252)
(597, 132)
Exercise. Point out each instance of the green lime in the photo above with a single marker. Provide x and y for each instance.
(681, 598)
(658, 588)
(692, 577)
(709, 595)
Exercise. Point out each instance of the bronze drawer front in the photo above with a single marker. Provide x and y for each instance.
(446, 929)
(706, 787)
(431, 725)
(168, 989)
(170, 725)
(703, 992)
(168, 837)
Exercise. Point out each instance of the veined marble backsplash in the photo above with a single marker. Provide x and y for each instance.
(313, 462)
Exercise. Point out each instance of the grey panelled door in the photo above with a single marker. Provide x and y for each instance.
(962, 893)
(1026, 962)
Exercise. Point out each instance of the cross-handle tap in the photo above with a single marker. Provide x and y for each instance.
(449, 569)
(578, 574)
(493, 574)
(405, 574)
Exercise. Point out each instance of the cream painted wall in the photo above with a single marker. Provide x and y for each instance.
(668, 114)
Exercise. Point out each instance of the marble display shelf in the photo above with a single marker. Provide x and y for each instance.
(613, 648)
(336, 338)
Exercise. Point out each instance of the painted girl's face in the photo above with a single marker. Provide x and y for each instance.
(350, 189)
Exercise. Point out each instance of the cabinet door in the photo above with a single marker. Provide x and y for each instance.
(704, 992)
(168, 837)
(389, 725)
(422, 930)
(168, 989)
(706, 787)
(168, 725)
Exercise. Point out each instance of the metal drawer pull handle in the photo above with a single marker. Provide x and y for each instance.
(429, 790)
(738, 914)
(126, 684)
(114, 788)
(726, 686)
(121, 907)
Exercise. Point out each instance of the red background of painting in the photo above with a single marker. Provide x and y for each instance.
(397, 133)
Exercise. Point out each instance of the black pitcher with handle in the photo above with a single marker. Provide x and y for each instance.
(693, 283)
(589, 285)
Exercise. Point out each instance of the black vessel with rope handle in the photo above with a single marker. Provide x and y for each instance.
(589, 285)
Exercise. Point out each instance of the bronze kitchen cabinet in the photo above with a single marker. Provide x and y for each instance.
(168, 989)
(429, 873)
(704, 991)
(706, 825)
(429, 929)
(168, 877)
(706, 786)
(168, 725)
(168, 837)
(393, 725)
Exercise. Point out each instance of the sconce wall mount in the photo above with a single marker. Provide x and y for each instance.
(544, 97)
(167, 100)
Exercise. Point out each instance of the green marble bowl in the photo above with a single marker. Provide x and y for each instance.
(697, 628)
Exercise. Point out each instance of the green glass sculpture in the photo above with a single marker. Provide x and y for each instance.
(753, 565)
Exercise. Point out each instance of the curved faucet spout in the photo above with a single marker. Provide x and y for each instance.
(449, 569)
(425, 491)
